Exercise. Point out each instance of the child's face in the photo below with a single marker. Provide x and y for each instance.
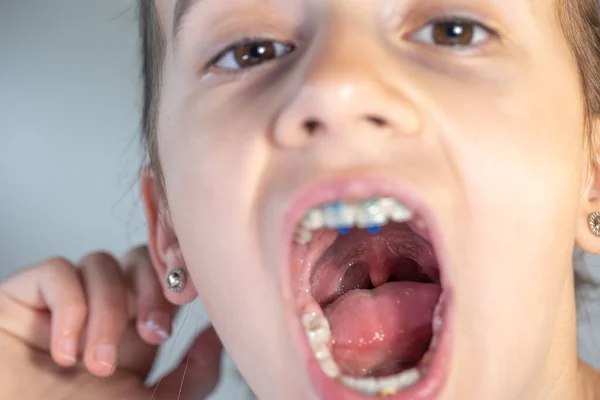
(345, 100)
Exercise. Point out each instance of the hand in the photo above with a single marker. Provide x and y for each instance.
(69, 311)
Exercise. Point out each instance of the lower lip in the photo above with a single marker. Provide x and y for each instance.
(429, 387)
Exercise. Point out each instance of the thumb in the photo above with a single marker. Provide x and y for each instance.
(198, 374)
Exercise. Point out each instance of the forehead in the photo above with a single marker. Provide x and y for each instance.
(181, 8)
(172, 12)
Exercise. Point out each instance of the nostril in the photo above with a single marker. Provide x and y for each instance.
(377, 121)
(312, 126)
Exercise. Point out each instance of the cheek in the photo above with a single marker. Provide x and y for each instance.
(213, 153)
(212, 180)
(523, 180)
(211, 176)
(519, 157)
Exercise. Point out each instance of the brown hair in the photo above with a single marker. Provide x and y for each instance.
(153, 47)
(580, 20)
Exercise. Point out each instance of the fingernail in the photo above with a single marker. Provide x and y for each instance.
(106, 355)
(67, 349)
(160, 323)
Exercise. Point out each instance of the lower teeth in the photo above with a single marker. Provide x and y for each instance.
(387, 386)
(318, 333)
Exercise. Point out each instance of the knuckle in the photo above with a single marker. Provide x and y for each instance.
(60, 269)
(141, 250)
(59, 264)
(100, 258)
(137, 255)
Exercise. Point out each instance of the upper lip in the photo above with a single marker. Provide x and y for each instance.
(354, 187)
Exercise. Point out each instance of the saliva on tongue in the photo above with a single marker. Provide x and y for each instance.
(382, 331)
(384, 327)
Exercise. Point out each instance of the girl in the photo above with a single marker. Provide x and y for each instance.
(378, 198)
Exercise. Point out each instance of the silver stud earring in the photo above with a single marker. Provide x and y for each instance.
(176, 280)
(594, 221)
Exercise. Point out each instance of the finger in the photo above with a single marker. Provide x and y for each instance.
(135, 354)
(198, 374)
(154, 313)
(107, 312)
(52, 286)
(28, 324)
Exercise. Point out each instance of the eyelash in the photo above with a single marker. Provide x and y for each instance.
(228, 55)
(280, 49)
(480, 33)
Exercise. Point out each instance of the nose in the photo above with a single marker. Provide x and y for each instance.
(343, 96)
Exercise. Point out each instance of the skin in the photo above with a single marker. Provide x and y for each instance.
(98, 301)
(468, 132)
(491, 138)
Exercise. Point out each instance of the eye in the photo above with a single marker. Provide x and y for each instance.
(453, 33)
(250, 54)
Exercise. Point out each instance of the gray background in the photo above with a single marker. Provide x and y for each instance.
(69, 155)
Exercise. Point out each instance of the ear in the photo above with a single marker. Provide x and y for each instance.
(590, 198)
(163, 244)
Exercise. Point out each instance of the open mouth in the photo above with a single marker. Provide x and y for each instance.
(369, 296)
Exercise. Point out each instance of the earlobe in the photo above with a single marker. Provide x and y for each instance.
(163, 245)
(588, 233)
(594, 223)
(588, 226)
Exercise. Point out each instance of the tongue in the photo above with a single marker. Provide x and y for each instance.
(384, 329)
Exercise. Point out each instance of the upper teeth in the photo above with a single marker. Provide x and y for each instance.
(370, 213)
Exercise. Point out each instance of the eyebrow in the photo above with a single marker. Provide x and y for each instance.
(182, 8)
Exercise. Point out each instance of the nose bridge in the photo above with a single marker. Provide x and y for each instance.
(347, 84)
(343, 70)
(342, 54)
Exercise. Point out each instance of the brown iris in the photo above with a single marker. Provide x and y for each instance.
(251, 54)
(453, 33)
